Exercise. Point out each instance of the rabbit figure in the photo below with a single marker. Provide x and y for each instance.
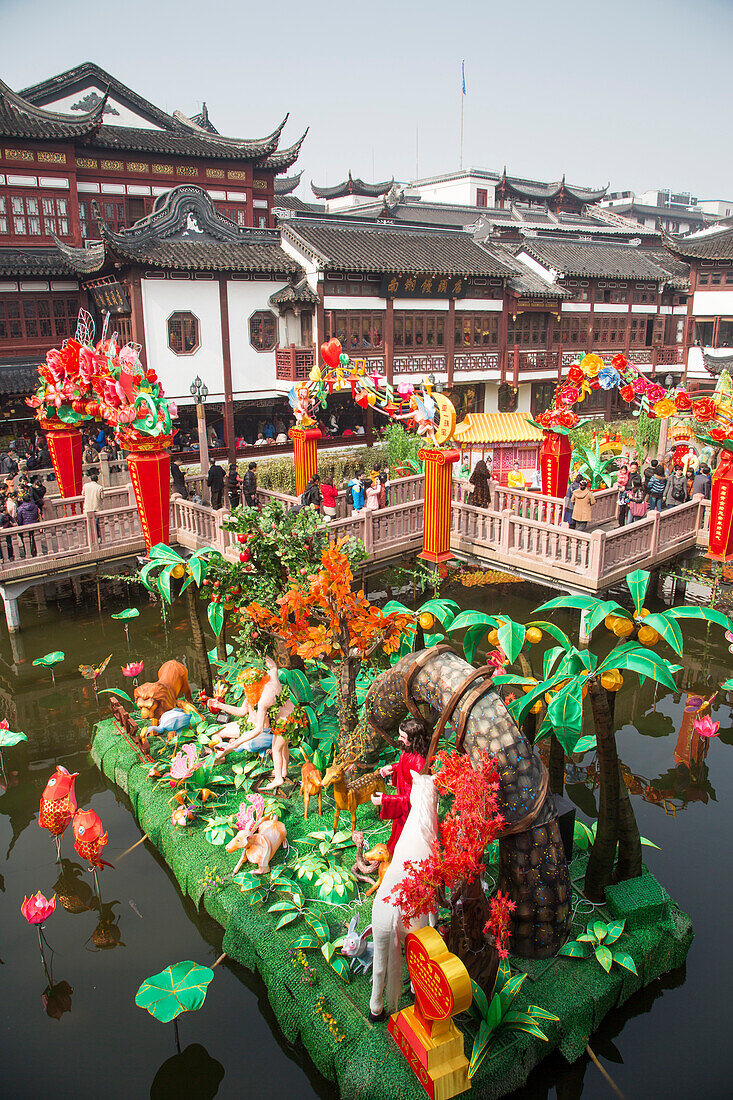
(357, 948)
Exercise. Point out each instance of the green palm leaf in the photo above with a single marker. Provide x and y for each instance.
(585, 603)
(471, 618)
(471, 642)
(637, 659)
(705, 613)
(554, 632)
(179, 988)
(566, 714)
(638, 582)
(598, 614)
(511, 638)
(666, 628)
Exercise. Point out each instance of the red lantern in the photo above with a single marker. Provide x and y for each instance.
(64, 443)
(720, 545)
(555, 464)
(150, 472)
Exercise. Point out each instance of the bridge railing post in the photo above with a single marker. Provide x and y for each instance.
(368, 535)
(93, 539)
(506, 520)
(654, 544)
(105, 477)
(597, 554)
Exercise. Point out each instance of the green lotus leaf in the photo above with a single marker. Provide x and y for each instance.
(8, 738)
(128, 613)
(181, 987)
(50, 659)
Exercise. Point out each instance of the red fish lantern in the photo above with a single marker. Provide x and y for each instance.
(58, 801)
(89, 838)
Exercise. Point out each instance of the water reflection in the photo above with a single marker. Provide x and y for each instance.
(106, 935)
(72, 891)
(57, 999)
(192, 1073)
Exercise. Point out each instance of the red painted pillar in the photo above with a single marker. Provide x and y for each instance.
(150, 473)
(64, 444)
(555, 464)
(720, 545)
(305, 455)
(438, 493)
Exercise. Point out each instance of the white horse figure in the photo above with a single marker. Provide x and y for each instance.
(388, 926)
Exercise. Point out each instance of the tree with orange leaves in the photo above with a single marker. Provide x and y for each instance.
(326, 620)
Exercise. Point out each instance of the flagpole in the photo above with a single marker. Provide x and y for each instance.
(460, 163)
(463, 96)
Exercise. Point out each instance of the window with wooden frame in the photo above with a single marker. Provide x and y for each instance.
(543, 396)
(263, 330)
(482, 196)
(183, 333)
(609, 329)
(508, 398)
(528, 331)
(4, 223)
(27, 318)
(114, 214)
(477, 330)
(419, 330)
(638, 332)
(573, 330)
(645, 294)
(357, 331)
(237, 214)
(611, 293)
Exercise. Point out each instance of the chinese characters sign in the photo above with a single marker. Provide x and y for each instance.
(110, 298)
(424, 286)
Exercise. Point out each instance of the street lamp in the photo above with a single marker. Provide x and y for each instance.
(200, 391)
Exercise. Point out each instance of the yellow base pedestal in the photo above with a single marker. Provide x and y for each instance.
(438, 1061)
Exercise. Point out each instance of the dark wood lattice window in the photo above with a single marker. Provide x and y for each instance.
(183, 333)
(263, 330)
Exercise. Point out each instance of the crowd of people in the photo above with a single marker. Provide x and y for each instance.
(269, 431)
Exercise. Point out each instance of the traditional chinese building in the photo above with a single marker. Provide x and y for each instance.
(482, 188)
(352, 192)
(83, 137)
(203, 297)
(708, 335)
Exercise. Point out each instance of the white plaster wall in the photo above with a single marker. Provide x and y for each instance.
(461, 192)
(524, 398)
(126, 117)
(491, 397)
(252, 370)
(162, 297)
(312, 270)
(713, 303)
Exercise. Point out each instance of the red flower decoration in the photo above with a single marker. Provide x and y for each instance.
(499, 924)
(37, 908)
(682, 401)
(705, 409)
(718, 434)
(575, 374)
(627, 392)
(569, 394)
(620, 361)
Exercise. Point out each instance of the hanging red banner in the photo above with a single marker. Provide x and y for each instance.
(555, 464)
(438, 496)
(720, 545)
(65, 446)
(150, 472)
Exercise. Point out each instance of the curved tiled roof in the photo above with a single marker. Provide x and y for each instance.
(185, 232)
(285, 158)
(532, 189)
(596, 259)
(33, 263)
(712, 243)
(352, 185)
(343, 246)
(294, 294)
(287, 184)
(22, 119)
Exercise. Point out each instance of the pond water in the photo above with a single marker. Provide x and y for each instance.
(667, 1041)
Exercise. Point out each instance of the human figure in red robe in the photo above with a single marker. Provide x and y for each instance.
(415, 737)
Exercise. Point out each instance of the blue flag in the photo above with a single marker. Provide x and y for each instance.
(463, 76)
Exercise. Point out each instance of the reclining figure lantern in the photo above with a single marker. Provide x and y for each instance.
(424, 408)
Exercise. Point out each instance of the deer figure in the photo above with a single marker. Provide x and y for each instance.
(258, 837)
(350, 791)
(311, 783)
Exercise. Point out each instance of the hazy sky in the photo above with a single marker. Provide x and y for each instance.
(637, 92)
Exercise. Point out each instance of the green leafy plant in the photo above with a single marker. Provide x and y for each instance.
(320, 940)
(601, 471)
(49, 660)
(584, 835)
(335, 884)
(220, 829)
(495, 1014)
(597, 940)
(181, 987)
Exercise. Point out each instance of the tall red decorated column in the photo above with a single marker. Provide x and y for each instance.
(150, 473)
(438, 496)
(555, 464)
(720, 545)
(305, 455)
(64, 444)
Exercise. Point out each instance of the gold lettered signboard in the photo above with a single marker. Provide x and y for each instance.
(424, 286)
(110, 298)
(425, 1032)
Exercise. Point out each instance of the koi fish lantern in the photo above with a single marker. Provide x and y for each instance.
(89, 839)
(58, 801)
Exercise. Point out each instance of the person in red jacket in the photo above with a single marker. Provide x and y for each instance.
(415, 737)
(328, 496)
